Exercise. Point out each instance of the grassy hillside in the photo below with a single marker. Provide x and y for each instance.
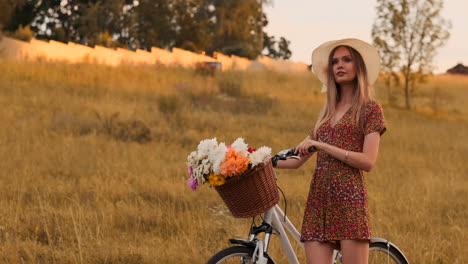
(93, 162)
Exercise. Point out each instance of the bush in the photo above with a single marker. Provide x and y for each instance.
(59, 34)
(230, 83)
(105, 39)
(23, 33)
(130, 130)
(168, 104)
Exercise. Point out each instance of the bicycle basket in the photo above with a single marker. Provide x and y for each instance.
(251, 193)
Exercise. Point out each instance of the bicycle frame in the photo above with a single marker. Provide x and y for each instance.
(279, 221)
(275, 219)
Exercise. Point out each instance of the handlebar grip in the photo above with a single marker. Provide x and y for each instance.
(312, 149)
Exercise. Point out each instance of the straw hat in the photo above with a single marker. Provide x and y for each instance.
(368, 52)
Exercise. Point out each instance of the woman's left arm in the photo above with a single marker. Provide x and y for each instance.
(364, 160)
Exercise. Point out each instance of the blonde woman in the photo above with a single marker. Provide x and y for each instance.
(346, 135)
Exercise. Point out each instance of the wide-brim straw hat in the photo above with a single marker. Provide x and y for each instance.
(368, 52)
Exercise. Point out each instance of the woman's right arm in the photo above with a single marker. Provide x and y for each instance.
(293, 163)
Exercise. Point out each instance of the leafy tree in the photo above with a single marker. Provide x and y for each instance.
(407, 34)
(70, 20)
(46, 18)
(16, 13)
(277, 49)
(153, 24)
(99, 21)
(53, 14)
(269, 44)
(231, 27)
(284, 51)
(239, 27)
(195, 24)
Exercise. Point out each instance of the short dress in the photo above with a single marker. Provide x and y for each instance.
(337, 203)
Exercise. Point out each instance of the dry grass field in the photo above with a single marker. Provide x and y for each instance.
(92, 162)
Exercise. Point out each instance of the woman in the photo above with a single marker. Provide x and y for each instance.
(346, 135)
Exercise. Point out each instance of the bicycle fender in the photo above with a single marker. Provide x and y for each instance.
(249, 244)
(381, 240)
(246, 243)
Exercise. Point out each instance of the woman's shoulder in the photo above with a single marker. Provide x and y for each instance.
(374, 118)
(373, 105)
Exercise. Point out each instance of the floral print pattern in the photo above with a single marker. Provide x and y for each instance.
(337, 203)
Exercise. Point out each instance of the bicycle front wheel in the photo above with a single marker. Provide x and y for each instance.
(236, 254)
(380, 253)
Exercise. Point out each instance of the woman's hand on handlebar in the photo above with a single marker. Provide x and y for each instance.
(306, 147)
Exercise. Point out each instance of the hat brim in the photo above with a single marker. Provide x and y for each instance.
(368, 52)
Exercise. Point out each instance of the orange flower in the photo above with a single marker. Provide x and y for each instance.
(234, 163)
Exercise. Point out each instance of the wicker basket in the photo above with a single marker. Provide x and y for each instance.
(251, 193)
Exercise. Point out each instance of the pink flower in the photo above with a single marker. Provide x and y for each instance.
(190, 170)
(192, 183)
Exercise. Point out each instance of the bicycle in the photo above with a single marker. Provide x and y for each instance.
(255, 249)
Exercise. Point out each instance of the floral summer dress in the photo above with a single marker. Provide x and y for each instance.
(337, 204)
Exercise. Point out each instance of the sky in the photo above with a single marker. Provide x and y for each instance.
(309, 23)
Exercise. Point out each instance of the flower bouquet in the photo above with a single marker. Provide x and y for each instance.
(242, 176)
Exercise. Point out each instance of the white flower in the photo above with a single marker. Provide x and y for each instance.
(206, 146)
(198, 174)
(217, 156)
(198, 160)
(191, 159)
(259, 156)
(240, 146)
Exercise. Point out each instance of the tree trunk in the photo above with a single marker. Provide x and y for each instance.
(407, 94)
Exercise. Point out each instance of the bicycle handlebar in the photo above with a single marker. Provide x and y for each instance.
(288, 153)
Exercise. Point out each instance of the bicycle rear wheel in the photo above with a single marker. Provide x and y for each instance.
(380, 252)
(236, 254)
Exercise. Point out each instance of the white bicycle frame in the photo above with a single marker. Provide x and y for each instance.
(277, 219)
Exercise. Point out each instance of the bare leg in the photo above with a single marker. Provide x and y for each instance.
(318, 252)
(355, 251)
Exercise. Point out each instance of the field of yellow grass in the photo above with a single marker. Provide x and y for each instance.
(92, 162)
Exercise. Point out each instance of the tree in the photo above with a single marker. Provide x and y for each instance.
(15, 13)
(284, 51)
(407, 34)
(54, 15)
(100, 21)
(269, 44)
(276, 49)
(154, 25)
(239, 27)
(195, 24)
(230, 27)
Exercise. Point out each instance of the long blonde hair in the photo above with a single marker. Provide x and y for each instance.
(363, 92)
